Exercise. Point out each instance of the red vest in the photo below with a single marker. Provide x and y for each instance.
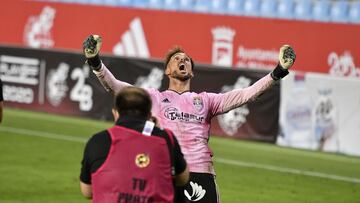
(136, 170)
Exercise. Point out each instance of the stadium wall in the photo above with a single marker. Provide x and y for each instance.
(233, 41)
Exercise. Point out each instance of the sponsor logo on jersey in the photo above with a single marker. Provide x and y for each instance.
(198, 103)
(142, 160)
(197, 192)
(173, 113)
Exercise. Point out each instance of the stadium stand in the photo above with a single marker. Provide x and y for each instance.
(286, 9)
(321, 11)
(235, 7)
(171, 5)
(252, 7)
(269, 8)
(354, 12)
(303, 10)
(186, 5)
(339, 11)
(142, 3)
(202, 6)
(219, 6)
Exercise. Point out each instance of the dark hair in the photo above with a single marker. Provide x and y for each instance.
(172, 52)
(133, 101)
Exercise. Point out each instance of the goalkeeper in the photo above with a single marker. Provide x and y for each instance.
(188, 114)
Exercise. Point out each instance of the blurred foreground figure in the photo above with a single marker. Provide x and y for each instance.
(134, 161)
(188, 114)
(1, 101)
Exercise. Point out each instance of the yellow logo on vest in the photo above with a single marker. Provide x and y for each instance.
(142, 160)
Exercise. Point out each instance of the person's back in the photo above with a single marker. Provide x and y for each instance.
(134, 161)
(138, 167)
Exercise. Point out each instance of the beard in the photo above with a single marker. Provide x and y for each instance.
(181, 77)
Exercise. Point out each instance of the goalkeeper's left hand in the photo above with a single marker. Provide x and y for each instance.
(287, 56)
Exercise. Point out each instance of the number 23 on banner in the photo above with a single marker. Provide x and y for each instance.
(82, 92)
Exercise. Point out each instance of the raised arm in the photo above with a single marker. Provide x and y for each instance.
(91, 47)
(238, 97)
(230, 100)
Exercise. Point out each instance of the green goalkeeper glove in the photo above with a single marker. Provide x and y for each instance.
(287, 58)
(91, 47)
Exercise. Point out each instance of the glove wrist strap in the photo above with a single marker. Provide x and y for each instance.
(279, 72)
(94, 62)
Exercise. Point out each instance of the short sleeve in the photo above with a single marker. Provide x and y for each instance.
(1, 92)
(95, 153)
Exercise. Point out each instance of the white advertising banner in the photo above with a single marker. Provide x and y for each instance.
(320, 112)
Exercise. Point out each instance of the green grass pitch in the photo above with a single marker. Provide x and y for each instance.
(40, 158)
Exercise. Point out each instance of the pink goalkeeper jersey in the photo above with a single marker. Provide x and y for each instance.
(189, 114)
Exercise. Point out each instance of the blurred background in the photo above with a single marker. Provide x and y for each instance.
(51, 96)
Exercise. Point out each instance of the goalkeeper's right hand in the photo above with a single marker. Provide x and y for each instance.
(91, 48)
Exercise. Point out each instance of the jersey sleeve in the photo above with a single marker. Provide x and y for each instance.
(108, 81)
(85, 174)
(1, 92)
(224, 102)
(95, 153)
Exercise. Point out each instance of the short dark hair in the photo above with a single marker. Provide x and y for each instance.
(172, 52)
(133, 101)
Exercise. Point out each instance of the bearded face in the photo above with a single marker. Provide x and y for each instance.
(179, 67)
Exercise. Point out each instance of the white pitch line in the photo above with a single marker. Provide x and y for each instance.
(219, 160)
(298, 152)
(42, 134)
(287, 170)
(60, 119)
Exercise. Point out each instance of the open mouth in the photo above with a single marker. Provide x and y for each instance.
(182, 67)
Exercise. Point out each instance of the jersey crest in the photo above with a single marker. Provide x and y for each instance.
(198, 103)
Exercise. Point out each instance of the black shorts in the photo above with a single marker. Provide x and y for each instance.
(201, 188)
